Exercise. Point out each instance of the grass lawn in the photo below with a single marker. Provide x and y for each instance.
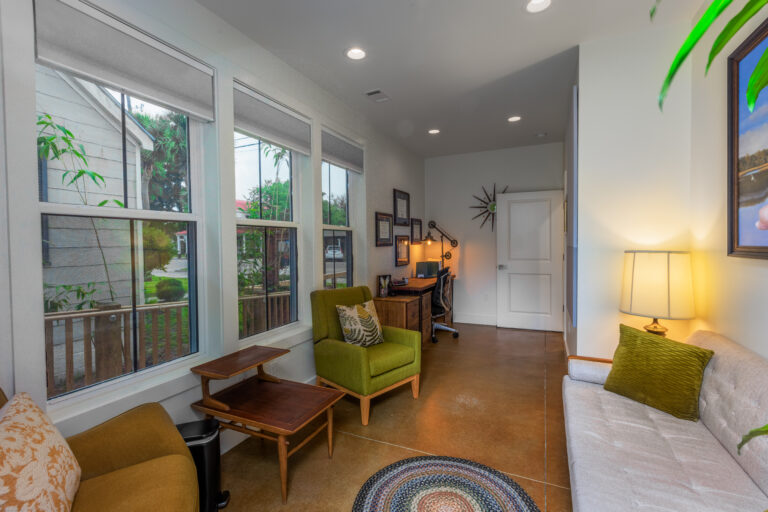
(150, 285)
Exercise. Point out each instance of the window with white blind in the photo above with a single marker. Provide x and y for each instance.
(119, 117)
(341, 160)
(272, 145)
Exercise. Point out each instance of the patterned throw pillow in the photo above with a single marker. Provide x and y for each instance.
(360, 324)
(38, 470)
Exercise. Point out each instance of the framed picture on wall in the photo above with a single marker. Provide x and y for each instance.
(416, 234)
(747, 152)
(402, 207)
(402, 250)
(384, 229)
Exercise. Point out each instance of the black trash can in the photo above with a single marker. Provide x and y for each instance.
(202, 438)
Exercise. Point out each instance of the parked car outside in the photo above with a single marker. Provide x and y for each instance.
(333, 252)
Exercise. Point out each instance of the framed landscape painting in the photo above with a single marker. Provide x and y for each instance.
(747, 153)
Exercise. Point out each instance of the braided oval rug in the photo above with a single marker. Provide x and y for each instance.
(441, 484)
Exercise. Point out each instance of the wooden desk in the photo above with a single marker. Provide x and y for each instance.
(403, 311)
(423, 287)
(263, 402)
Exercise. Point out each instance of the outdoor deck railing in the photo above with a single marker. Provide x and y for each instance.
(252, 309)
(90, 346)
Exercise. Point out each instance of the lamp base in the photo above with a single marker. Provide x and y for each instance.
(656, 328)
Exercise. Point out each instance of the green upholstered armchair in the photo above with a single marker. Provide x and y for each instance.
(359, 371)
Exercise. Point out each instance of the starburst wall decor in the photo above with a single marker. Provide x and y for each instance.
(487, 206)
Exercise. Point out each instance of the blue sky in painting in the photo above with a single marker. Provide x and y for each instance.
(755, 122)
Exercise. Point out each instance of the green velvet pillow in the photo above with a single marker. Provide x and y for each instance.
(658, 372)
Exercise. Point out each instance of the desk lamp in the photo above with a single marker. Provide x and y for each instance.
(657, 284)
(444, 255)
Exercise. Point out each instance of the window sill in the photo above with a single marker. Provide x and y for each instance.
(287, 336)
(150, 385)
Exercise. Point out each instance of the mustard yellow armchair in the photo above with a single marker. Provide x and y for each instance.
(363, 372)
(135, 461)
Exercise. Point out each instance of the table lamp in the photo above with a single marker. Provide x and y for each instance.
(657, 284)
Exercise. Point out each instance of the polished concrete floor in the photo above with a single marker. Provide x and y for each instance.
(492, 396)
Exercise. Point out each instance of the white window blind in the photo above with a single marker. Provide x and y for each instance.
(261, 117)
(342, 152)
(95, 46)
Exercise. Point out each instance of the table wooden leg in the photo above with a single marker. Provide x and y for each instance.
(282, 451)
(330, 432)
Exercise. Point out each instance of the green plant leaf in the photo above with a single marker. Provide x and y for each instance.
(102, 203)
(762, 431)
(733, 26)
(710, 15)
(758, 81)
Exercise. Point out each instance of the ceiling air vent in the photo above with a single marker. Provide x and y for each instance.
(377, 96)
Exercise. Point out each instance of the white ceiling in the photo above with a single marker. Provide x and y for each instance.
(463, 66)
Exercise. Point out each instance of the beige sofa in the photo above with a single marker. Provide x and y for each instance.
(625, 456)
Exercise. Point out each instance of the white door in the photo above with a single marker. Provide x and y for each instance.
(529, 244)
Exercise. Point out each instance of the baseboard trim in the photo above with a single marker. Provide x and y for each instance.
(474, 318)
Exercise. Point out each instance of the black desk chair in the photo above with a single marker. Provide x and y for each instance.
(442, 303)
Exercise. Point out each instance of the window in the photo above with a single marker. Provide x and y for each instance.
(337, 234)
(117, 231)
(272, 147)
(266, 254)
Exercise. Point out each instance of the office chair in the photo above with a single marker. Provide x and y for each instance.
(442, 303)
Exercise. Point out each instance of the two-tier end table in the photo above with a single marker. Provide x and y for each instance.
(265, 406)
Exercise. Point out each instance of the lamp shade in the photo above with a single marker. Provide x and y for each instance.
(657, 284)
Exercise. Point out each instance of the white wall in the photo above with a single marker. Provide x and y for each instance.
(450, 183)
(731, 293)
(190, 27)
(634, 170)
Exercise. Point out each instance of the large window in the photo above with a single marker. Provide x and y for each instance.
(337, 234)
(266, 236)
(117, 228)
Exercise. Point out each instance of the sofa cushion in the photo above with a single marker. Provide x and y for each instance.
(626, 456)
(662, 373)
(38, 471)
(166, 483)
(733, 401)
(388, 356)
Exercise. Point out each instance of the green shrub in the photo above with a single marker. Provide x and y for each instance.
(170, 290)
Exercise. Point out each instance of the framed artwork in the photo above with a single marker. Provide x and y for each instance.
(402, 250)
(416, 235)
(402, 208)
(384, 230)
(747, 153)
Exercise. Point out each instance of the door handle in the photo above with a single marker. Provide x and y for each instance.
(502, 267)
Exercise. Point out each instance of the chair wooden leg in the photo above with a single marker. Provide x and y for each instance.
(415, 386)
(319, 381)
(282, 451)
(365, 410)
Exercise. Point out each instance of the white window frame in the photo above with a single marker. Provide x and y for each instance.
(332, 227)
(295, 214)
(197, 206)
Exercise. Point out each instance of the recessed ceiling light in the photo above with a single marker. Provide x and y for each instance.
(535, 6)
(514, 119)
(433, 131)
(542, 135)
(356, 53)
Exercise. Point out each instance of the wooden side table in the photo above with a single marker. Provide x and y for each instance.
(264, 406)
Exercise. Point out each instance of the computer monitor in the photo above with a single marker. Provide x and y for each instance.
(427, 268)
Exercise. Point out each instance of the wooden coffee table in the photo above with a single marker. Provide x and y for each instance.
(264, 406)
